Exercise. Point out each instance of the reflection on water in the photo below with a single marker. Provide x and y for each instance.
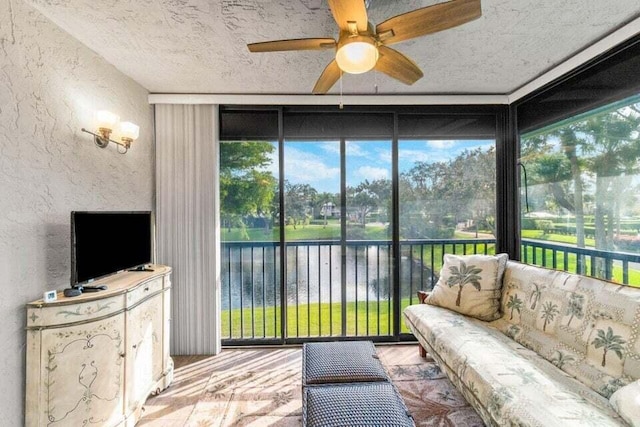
(314, 274)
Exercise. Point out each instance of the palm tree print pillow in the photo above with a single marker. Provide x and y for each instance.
(470, 285)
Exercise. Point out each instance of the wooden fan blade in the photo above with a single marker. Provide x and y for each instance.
(427, 20)
(396, 65)
(327, 79)
(345, 11)
(292, 44)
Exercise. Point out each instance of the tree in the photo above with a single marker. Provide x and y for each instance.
(326, 203)
(601, 151)
(438, 195)
(575, 307)
(561, 171)
(608, 342)
(570, 144)
(613, 149)
(299, 202)
(553, 171)
(549, 311)
(463, 275)
(246, 188)
(514, 303)
(369, 196)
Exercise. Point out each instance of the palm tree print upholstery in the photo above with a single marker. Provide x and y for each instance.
(511, 369)
(567, 319)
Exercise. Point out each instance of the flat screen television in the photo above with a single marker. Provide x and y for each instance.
(104, 243)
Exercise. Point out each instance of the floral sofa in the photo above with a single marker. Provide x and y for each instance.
(565, 350)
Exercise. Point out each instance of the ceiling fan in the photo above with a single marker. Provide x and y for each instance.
(361, 47)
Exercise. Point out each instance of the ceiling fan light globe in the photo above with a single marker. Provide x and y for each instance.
(357, 57)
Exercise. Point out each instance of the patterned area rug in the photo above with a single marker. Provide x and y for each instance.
(262, 387)
(430, 397)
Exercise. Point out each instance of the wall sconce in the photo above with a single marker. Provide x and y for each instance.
(106, 122)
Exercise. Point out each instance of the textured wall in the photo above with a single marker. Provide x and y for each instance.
(50, 85)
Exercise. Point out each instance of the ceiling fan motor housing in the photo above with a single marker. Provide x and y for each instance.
(356, 54)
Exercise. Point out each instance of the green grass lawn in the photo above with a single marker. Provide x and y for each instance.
(558, 238)
(436, 253)
(571, 265)
(571, 259)
(312, 320)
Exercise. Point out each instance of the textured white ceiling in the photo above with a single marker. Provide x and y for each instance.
(199, 46)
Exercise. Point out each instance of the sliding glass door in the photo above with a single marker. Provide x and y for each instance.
(332, 222)
(251, 293)
(312, 236)
(368, 240)
(447, 205)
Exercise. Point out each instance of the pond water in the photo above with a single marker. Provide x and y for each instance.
(314, 274)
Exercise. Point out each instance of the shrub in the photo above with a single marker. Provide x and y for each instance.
(543, 224)
(627, 243)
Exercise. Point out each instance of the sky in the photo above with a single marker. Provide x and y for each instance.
(318, 163)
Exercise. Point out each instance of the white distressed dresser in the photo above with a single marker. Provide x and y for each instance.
(94, 359)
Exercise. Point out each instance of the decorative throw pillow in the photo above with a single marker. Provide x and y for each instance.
(470, 285)
(626, 401)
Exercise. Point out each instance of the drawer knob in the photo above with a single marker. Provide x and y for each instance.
(146, 289)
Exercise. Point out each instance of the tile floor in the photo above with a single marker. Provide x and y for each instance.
(262, 387)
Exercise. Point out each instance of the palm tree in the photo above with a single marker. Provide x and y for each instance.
(514, 303)
(462, 276)
(549, 311)
(559, 358)
(575, 307)
(609, 342)
(535, 296)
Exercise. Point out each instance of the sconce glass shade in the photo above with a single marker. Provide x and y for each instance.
(129, 131)
(106, 120)
(357, 55)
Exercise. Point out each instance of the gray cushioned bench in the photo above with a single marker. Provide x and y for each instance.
(344, 384)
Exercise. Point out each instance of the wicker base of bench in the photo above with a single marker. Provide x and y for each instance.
(344, 384)
(355, 404)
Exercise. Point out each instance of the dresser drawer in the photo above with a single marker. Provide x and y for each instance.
(61, 314)
(142, 291)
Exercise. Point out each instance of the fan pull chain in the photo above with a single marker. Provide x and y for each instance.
(341, 104)
(375, 81)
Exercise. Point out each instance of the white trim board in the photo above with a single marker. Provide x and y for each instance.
(615, 38)
(238, 99)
